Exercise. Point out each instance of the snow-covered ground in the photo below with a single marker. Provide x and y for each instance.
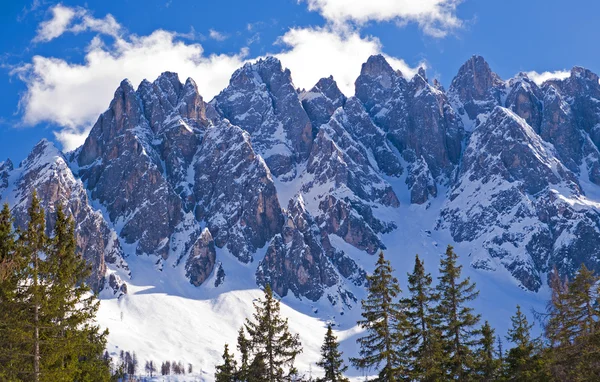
(163, 317)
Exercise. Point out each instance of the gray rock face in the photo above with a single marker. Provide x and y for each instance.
(5, 168)
(234, 192)
(476, 91)
(340, 179)
(302, 260)
(176, 114)
(420, 181)
(415, 115)
(296, 259)
(45, 170)
(322, 101)
(115, 160)
(262, 100)
(201, 260)
(526, 100)
(571, 118)
(365, 132)
(506, 199)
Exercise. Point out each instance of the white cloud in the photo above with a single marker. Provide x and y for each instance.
(435, 17)
(315, 53)
(72, 95)
(540, 78)
(75, 20)
(57, 25)
(216, 35)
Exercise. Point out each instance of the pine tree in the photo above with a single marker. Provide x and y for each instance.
(385, 324)
(78, 343)
(227, 371)
(486, 364)
(51, 328)
(421, 342)
(271, 339)
(571, 327)
(331, 359)
(457, 320)
(13, 333)
(522, 360)
(244, 347)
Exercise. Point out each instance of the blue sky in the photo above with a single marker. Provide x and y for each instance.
(55, 78)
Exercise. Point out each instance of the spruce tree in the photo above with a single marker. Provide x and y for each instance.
(78, 342)
(421, 343)
(487, 366)
(457, 319)
(271, 341)
(227, 371)
(51, 325)
(571, 327)
(522, 360)
(13, 333)
(385, 324)
(244, 347)
(331, 359)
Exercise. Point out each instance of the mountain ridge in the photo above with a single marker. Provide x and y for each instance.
(264, 165)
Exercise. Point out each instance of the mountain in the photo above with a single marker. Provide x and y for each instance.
(180, 201)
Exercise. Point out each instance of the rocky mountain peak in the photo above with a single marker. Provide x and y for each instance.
(263, 101)
(378, 68)
(474, 79)
(475, 91)
(42, 153)
(322, 101)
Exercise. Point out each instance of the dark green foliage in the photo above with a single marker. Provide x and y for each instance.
(523, 360)
(271, 343)
(457, 319)
(487, 366)
(227, 371)
(422, 339)
(385, 324)
(47, 315)
(572, 328)
(331, 359)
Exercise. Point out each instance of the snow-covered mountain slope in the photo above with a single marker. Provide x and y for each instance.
(185, 208)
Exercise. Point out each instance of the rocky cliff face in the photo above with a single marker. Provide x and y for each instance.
(262, 100)
(307, 177)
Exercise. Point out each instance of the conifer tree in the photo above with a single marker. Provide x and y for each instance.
(331, 359)
(227, 371)
(271, 341)
(572, 327)
(522, 360)
(486, 364)
(421, 342)
(13, 341)
(385, 324)
(558, 328)
(50, 327)
(244, 347)
(457, 319)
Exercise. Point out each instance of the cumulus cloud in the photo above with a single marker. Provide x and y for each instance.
(314, 53)
(72, 95)
(75, 20)
(540, 78)
(435, 17)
